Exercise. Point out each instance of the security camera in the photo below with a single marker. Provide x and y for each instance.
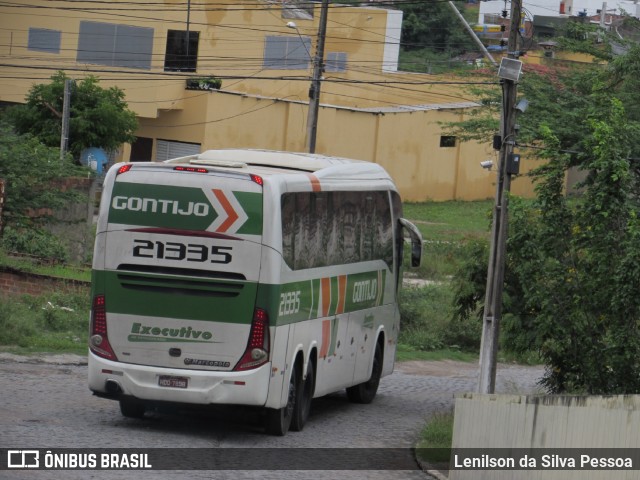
(487, 164)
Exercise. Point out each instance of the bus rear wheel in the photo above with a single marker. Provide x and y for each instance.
(303, 404)
(131, 408)
(365, 392)
(278, 420)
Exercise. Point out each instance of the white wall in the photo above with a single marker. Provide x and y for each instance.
(554, 422)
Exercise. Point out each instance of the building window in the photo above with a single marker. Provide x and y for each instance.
(287, 53)
(336, 62)
(182, 51)
(166, 149)
(115, 45)
(447, 141)
(44, 40)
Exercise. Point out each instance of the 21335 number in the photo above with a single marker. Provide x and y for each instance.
(191, 252)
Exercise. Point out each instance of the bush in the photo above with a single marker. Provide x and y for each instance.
(49, 322)
(14, 328)
(36, 242)
(427, 321)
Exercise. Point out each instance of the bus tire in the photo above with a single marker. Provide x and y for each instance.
(279, 420)
(131, 408)
(303, 404)
(365, 392)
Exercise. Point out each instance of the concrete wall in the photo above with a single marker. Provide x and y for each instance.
(540, 421)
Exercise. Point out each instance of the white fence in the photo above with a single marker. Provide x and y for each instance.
(564, 427)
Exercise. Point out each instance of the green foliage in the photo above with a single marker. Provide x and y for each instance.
(585, 37)
(30, 170)
(572, 268)
(47, 268)
(438, 432)
(435, 26)
(98, 117)
(588, 310)
(434, 444)
(36, 242)
(560, 98)
(451, 221)
(425, 60)
(52, 322)
(470, 280)
(426, 320)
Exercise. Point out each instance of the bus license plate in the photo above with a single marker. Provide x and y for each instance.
(174, 382)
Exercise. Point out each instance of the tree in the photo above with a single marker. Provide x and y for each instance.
(433, 25)
(559, 96)
(578, 264)
(98, 117)
(29, 169)
(573, 263)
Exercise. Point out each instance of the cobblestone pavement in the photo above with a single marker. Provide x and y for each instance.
(46, 404)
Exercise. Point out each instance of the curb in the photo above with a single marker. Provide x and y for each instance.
(426, 468)
(48, 358)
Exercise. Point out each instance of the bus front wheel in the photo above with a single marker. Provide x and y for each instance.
(365, 392)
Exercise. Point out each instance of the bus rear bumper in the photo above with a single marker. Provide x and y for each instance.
(116, 380)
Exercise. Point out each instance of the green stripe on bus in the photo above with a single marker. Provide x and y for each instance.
(184, 208)
(335, 296)
(334, 335)
(251, 203)
(198, 299)
(183, 298)
(166, 206)
(299, 301)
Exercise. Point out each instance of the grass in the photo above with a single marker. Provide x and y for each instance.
(31, 265)
(450, 221)
(405, 353)
(434, 443)
(56, 322)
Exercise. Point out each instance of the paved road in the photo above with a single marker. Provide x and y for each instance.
(48, 405)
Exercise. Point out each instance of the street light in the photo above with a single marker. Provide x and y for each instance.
(304, 44)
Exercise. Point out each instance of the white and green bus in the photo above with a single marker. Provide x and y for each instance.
(246, 277)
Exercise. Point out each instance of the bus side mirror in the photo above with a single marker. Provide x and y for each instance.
(416, 241)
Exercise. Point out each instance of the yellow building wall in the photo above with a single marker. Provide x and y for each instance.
(406, 144)
(264, 108)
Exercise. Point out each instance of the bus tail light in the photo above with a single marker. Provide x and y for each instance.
(99, 340)
(257, 351)
(124, 168)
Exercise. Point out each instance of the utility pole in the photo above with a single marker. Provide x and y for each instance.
(66, 102)
(495, 271)
(314, 90)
